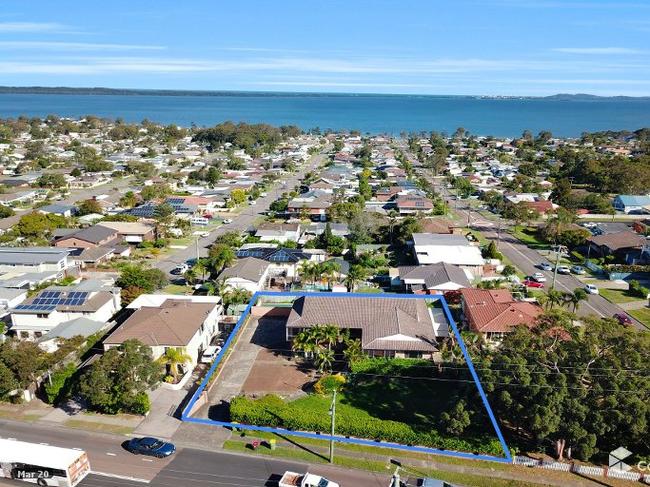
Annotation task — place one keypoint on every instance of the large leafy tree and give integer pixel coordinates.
(583, 388)
(116, 381)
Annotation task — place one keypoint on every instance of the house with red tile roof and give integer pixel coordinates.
(494, 312)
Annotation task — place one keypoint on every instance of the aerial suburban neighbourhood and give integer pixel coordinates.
(319, 268)
(325, 244)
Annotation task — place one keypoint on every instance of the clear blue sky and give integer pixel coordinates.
(480, 47)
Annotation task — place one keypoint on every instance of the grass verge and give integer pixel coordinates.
(643, 315)
(618, 296)
(102, 427)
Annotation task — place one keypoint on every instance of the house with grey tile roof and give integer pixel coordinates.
(249, 273)
(431, 279)
(387, 327)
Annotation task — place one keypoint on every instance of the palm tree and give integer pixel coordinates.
(353, 351)
(190, 276)
(172, 358)
(392, 221)
(577, 296)
(553, 297)
(355, 274)
(324, 360)
(218, 287)
(307, 270)
(200, 269)
(304, 342)
(236, 296)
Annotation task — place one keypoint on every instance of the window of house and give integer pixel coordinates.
(24, 334)
(38, 334)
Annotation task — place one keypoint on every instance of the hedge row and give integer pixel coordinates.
(272, 411)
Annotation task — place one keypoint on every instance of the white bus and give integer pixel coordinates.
(42, 464)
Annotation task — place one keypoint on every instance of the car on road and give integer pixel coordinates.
(532, 283)
(210, 353)
(591, 289)
(562, 269)
(545, 266)
(293, 479)
(152, 447)
(180, 269)
(539, 277)
(578, 269)
(589, 224)
(623, 319)
(227, 221)
(201, 234)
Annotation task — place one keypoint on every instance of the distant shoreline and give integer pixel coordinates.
(63, 90)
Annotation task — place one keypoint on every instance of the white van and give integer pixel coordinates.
(199, 220)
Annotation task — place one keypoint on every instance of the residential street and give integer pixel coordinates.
(188, 466)
(242, 221)
(526, 259)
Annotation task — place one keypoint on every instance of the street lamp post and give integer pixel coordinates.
(333, 423)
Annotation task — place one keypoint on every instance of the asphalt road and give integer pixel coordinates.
(527, 259)
(241, 222)
(187, 467)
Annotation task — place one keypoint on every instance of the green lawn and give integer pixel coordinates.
(176, 289)
(618, 296)
(405, 411)
(529, 237)
(643, 315)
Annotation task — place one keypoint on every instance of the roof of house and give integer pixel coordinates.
(495, 310)
(172, 324)
(32, 255)
(618, 240)
(95, 234)
(81, 326)
(128, 228)
(541, 206)
(57, 208)
(413, 201)
(274, 254)
(65, 300)
(634, 200)
(439, 239)
(249, 268)
(385, 323)
(435, 275)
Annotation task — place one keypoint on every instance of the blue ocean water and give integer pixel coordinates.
(373, 114)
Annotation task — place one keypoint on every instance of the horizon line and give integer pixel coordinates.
(283, 92)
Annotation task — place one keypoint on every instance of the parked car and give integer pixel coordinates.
(578, 269)
(201, 234)
(152, 447)
(180, 269)
(545, 266)
(210, 353)
(562, 269)
(623, 319)
(532, 283)
(589, 224)
(539, 277)
(227, 221)
(591, 289)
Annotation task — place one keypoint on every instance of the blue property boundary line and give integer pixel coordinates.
(342, 439)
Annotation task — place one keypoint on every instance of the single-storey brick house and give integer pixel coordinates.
(387, 327)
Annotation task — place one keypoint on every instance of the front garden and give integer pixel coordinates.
(404, 401)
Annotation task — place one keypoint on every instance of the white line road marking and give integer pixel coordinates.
(111, 454)
(123, 477)
(147, 460)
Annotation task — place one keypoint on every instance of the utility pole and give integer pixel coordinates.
(197, 249)
(499, 233)
(557, 249)
(333, 415)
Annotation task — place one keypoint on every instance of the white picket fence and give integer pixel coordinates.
(582, 469)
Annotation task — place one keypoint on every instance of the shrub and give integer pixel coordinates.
(636, 289)
(141, 404)
(60, 385)
(509, 270)
(329, 383)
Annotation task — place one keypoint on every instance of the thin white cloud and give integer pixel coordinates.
(51, 27)
(75, 46)
(597, 50)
